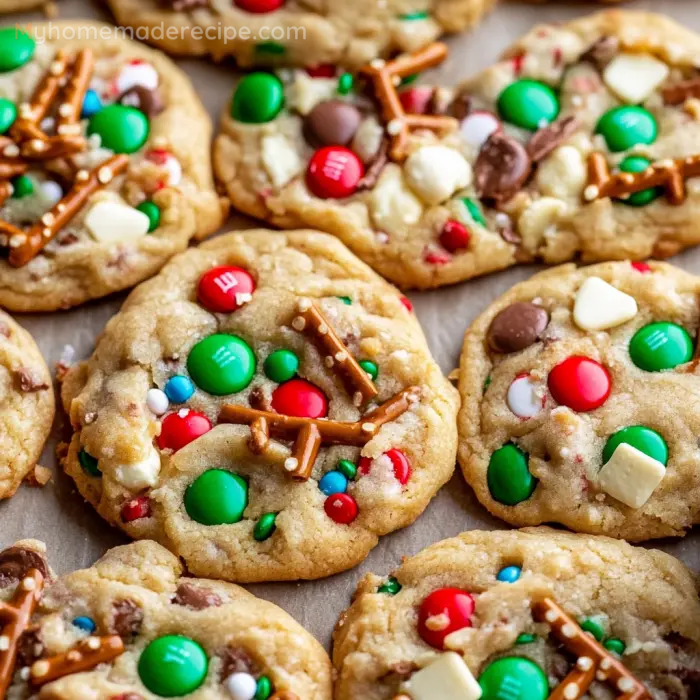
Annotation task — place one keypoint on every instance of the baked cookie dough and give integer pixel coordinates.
(525, 616)
(104, 164)
(133, 626)
(26, 405)
(7, 6)
(584, 141)
(266, 408)
(579, 401)
(309, 33)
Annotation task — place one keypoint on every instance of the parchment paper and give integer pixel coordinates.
(76, 535)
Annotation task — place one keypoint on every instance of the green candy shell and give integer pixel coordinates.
(391, 586)
(616, 646)
(221, 364)
(640, 437)
(509, 479)
(264, 688)
(16, 48)
(22, 186)
(121, 129)
(258, 98)
(347, 469)
(627, 126)
(152, 211)
(513, 678)
(172, 666)
(660, 346)
(528, 104)
(638, 164)
(593, 626)
(8, 114)
(370, 367)
(89, 464)
(265, 527)
(216, 497)
(281, 365)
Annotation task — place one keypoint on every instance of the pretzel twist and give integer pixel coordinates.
(68, 113)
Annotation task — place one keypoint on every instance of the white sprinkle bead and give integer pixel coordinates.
(522, 397)
(157, 401)
(241, 686)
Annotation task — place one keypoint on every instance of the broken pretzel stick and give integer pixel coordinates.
(309, 434)
(14, 620)
(68, 113)
(593, 661)
(678, 93)
(84, 657)
(386, 76)
(26, 246)
(311, 321)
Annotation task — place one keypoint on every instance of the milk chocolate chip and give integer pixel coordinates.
(195, 597)
(127, 619)
(15, 563)
(332, 123)
(147, 101)
(501, 169)
(517, 327)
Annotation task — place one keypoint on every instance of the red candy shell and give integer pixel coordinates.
(580, 383)
(341, 508)
(416, 100)
(181, 428)
(454, 236)
(323, 70)
(300, 398)
(456, 604)
(399, 461)
(136, 508)
(334, 172)
(224, 289)
(259, 6)
(407, 303)
(641, 267)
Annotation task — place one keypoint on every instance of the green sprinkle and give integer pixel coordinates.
(391, 586)
(264, 528)
(474, 211)
(264, 689)
(616, 646)
(370, 367)
(413, 16)
(487, 383)
(593, 626)
(347, 469)
(346, 300)
(271, 48)
(345, 83)
(89, 463)
(525, 638)
(22, 186)
(410, 79)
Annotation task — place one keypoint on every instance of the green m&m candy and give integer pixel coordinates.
(370, 367)
(641, 438)
(594, 628)
(221, 364)
(347, 468)
(89, 463)
(391, 586)
(8, 114)
(216, 497)
(513, 678)
(525, 638)
(508, 477)
(265, 527)
(624, 127)
(659, 346)
(528, 104)
(22, 186)
(16, 48)
(121, 129)
(345, 83)
(638, 164)
(616, 646)
(173, 665)
(281, 365)
(152, 211)
(263, 689)
(258, 98)
(474, 211)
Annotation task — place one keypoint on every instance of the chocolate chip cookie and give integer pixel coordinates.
(583, 141)
(104, 164)
(26, 405)
(523, 615)
(133, 626)
(266, 408)
(579, 393)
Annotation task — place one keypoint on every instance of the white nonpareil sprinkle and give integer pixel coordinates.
(157, 401)
(241, 686)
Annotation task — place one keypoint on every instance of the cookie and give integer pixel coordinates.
(26, 405)
(275, 32)
(578, 401)
(105, 170)
(134, 626)
(7, 6)
(523, 615)
(266, 408)
(582, 142)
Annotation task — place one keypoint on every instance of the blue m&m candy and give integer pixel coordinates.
(85, 623)
(92, 104)
(509, 574)
(332, 483)
(179, 388)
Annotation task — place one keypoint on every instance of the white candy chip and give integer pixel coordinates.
(522, 397)
(51, 192)
(447, 678)
(280, 159)
(111, 222)
(139, 475)
(599, 306)
(157, 401)
(478, 126)
(137, 73)
(634, 76)
(392, 205)
(630, 476)
(241, 686)
(435, 173)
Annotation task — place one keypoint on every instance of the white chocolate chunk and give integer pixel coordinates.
(522, 397)
(599, 306)
(563, 174)
(140, 475)
(634, 76)
(112, 222)
(631, 476)
(392, 205)
(280, 159)
(435, 173)
(447, 678)
(368, 139)
(306, 92)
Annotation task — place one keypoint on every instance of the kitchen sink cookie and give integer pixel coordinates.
(523, 615)
(7, 6)
(584, 141)
(580, 401)
(27, 405)
(266, 408)
(133, 627)
(308, 33)
(104, 165)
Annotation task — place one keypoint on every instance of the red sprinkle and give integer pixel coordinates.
(136, 508)
(454, 236)
(407, 304)
(517, 62)
(399, 461)
(300, 398)
(323, 70)
(334, 172)
(416, 100)
(435, 257)
(580, 383)
(225, 289)
(641, 267)
(341, 508)
(181, 428)
(259, 6)
(454, 603)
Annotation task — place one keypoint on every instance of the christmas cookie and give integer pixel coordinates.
(26, 404)
(104, 165)
(578, 401)
(523, 615)
(584, 141)
(133, 627)
(266, 407)
(296, 32)
(7, 6)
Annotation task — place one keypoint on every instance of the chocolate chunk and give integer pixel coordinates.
(127, 618)
(147, 101)
(461, 106)
(30, 380)
(332, 123)
(601, 51)
(29, 647)
(195, 597)
(678, 93)
(501, 169)
(546, 139)
(236, 660)
(375, 167)
(517, 327)
(15, 563)
(258, 400)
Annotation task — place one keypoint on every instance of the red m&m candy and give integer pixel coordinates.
(341, 508)
(454, 236)
(399, 463)
(259, 6)
(136, 508)
(444, 611)
(322, 70)
(416, 100)
(225, 289)
(299, 398)
(580, 383)
(334, 172)
(181, 428)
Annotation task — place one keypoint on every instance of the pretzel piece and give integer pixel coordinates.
(309, 434)
(678, 93)
(85, 656)
(24, 247)
(313, 324)
(68, 113)
(593, 661)
(385, 77)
